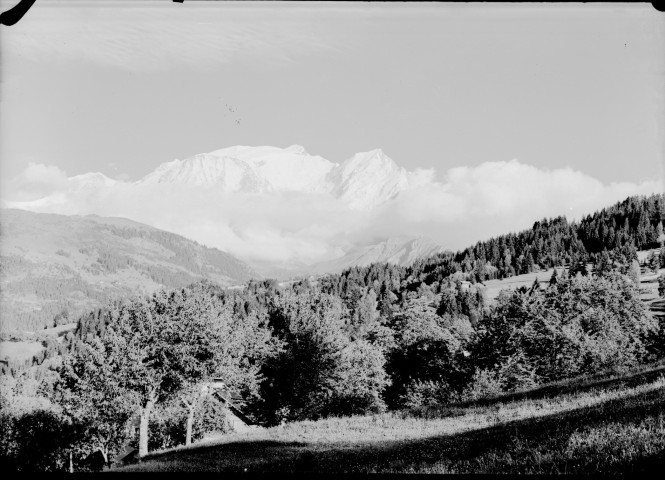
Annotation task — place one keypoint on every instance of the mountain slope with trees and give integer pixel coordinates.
(621, 230)
(55, 267)
(374, 339)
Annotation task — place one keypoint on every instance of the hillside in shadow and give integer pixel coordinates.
(619, 435)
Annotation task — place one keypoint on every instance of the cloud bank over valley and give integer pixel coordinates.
(269, 204)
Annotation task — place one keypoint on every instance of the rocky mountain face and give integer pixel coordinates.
(57, 265)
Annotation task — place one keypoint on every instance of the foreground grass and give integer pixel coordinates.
(604, 425)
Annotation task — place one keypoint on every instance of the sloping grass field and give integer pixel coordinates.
(612, 423)
(19, 351)
(493, 287)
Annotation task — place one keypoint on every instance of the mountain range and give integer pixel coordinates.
(362, 182)
(280, 209)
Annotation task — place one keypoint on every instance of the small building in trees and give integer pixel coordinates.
(127, 455)
(238, 421)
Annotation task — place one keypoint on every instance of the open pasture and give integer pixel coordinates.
(493, 287)
(19, 351)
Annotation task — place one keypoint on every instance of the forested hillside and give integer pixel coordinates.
(375, 339)
(628, 226)
(55, 267)
(636, 220)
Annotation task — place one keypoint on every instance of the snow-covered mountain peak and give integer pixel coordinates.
(297, 149)
(370, 178)
(372, 162)
(248, 170)
(206, 169)
(363, 181)
(92, 180)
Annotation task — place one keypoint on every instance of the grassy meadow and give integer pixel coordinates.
(612, 423)
(19, 351)
(493, 287)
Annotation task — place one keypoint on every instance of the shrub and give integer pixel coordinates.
(210, 418)
(516, 374)
(36, 441)
(427, 393)
(485, 383)
(167, 427)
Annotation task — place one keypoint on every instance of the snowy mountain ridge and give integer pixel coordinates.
(282, 208)
(363, 181)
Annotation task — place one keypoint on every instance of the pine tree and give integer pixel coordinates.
(535, 286)
(653, 261)
(634, 272)
(603, 264)
(385, 302)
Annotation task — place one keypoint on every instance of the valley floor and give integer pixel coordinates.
(600, 424)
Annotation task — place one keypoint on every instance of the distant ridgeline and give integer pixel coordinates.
(53, 268)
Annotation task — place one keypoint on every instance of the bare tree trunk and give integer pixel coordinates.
(191, 409)
(143, 428)
(105, 454)
(190, 422)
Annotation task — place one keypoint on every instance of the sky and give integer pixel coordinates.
(473, 93)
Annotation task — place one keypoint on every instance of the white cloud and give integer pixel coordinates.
(474, 203)
(36, 181)
(469, 204)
